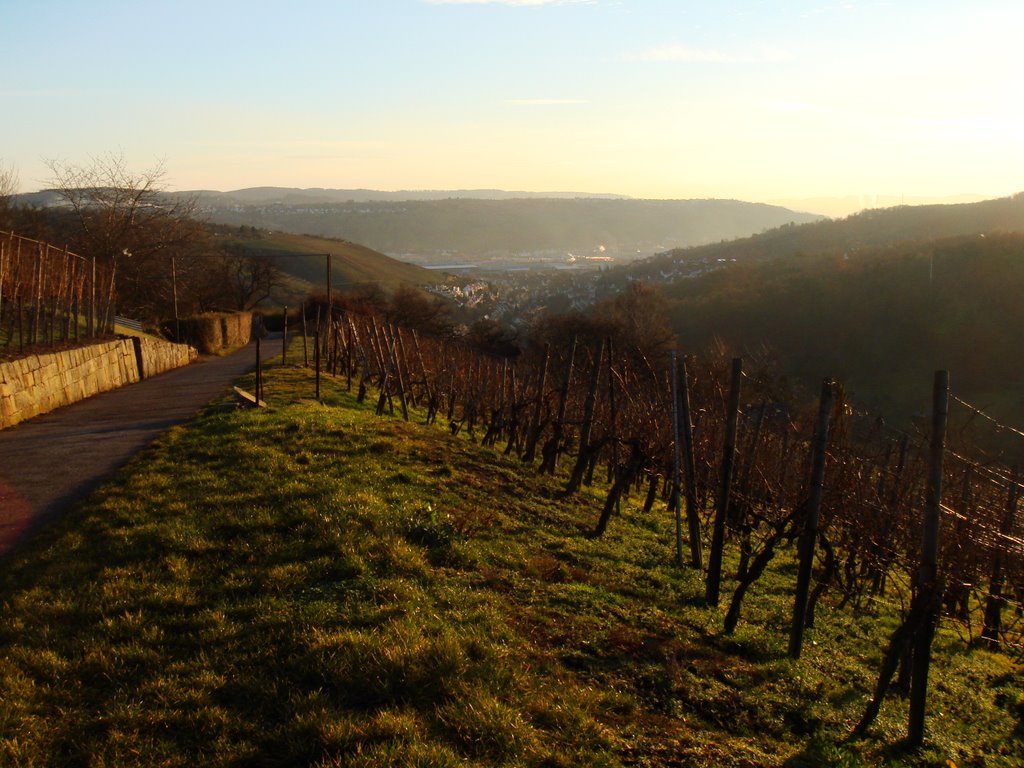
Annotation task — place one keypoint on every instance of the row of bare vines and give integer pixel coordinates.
(744, 466)
(50, 296)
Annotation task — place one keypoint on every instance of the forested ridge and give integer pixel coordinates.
(880, 320)
(864, 231)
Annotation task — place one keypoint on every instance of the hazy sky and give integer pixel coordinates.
(650, 98)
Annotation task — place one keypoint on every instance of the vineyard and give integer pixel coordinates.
(918, 519)
(50, 296)
(921, 521)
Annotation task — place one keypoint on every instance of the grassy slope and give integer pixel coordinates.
(317, 585)
(303, 257)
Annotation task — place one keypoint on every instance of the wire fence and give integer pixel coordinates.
(50, 296)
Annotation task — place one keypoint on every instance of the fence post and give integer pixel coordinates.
(927, 574)
(554, 445)
(350, 340)
(284, 339)
(92, 301)
(810, 533)
(259, 372)
(613, 413)
(329, 305)
(305, 346)
(397, 361)
(692, 513)
(3, 275)
(316, 360)
(714, 583)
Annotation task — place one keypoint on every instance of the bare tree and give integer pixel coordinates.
(417, 309)
(251, 279)
(8, 189)
(639, 317)
(125, 219)
(119, 209)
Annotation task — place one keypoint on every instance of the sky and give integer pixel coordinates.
(750, 100)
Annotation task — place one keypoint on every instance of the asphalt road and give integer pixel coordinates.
(49, 463)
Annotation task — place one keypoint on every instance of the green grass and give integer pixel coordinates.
(314, 585)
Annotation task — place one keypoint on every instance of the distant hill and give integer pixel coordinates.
(44, 198)
(880, 300)
(845, 237)
(473, 226)
(304, 257)
(839, 207)
(294, 196)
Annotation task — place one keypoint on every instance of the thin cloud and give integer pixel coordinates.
(792, 106)
(543, 102)
(511, 2)
(706, 56)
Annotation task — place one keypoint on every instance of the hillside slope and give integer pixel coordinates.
(304, 257)
(881, 320)
(522, 225)
(866, 230)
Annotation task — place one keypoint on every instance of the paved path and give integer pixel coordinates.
(52, 461)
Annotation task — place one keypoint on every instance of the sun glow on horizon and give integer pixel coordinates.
(647, 99)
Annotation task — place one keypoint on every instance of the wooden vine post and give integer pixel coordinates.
(398, 359)
(809, 537)
(689, 467)
(585, 451)
(742, 516)
(995, 600)
(928, 586)
(284, 338)
(3, 275)
(613, 413)
(428, 391)
(259, 372)
(316, 360)
(350, 340)
(676, 461)
(714, 582)
(535, 426)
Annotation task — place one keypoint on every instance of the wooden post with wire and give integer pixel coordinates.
(689, 467)
(316, 361)
(928, 586)
(284, 338)
(714, 582)
(676, 461)
(809, 537)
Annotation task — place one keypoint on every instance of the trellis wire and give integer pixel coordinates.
(49, 296)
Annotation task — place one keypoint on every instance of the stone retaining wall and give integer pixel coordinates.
(214, 332)
(159, 356)
(37, 384)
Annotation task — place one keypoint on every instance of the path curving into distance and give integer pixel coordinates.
(52, 461)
